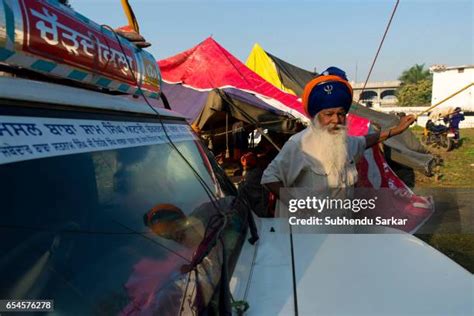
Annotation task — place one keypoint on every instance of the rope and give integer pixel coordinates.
(207, 189)
(232, 64)
(378, 50)
(447, 98)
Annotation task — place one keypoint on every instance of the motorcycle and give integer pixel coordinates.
(438, 135)
(453, 134)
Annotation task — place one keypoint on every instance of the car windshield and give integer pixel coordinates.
(107, 231)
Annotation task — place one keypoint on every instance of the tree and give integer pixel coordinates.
(415, 87)
(415, 74)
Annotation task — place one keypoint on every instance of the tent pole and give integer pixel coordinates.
(227, 152)
(251, 119)
(445, 99)
(268, 138)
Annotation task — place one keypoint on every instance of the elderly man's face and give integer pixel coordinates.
(331, 118)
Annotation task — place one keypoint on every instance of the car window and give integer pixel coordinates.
(107, 231)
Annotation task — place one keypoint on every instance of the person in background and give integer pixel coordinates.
(454, 120)
(250, 185)
(240, 142)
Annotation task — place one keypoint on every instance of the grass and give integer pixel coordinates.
(458, 167)
(451, 226)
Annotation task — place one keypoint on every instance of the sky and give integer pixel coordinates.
(309, 34)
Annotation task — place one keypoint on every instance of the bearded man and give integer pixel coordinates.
(323, 155)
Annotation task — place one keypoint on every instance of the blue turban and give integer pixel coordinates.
(329, 90)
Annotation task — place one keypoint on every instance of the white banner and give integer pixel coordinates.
(25, 138)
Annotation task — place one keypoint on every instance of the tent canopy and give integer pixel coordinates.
(206, 82)
(278, 72)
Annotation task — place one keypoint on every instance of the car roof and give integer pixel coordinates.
(21, 89)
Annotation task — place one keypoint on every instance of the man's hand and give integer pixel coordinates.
(377, 137)
(404, 123)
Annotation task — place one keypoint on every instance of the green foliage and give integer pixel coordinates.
(415, 74)
(415, 88)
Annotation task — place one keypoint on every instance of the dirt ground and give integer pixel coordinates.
(451, 228)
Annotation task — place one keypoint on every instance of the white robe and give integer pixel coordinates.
(294, 168)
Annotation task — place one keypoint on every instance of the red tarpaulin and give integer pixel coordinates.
(208, 66)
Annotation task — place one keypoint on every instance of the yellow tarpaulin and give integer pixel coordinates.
(264, 66)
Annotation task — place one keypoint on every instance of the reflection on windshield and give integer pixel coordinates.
(106, 232)
(168, 221)
(155, 285)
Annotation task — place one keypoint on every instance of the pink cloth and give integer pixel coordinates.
(148, 278)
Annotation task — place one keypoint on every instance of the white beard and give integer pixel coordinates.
(327, 149)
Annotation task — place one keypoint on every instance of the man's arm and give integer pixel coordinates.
(377, 137)
(280, 171)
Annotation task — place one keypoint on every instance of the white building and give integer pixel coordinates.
(448, 80)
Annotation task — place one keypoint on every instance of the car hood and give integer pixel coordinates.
(336, 274)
